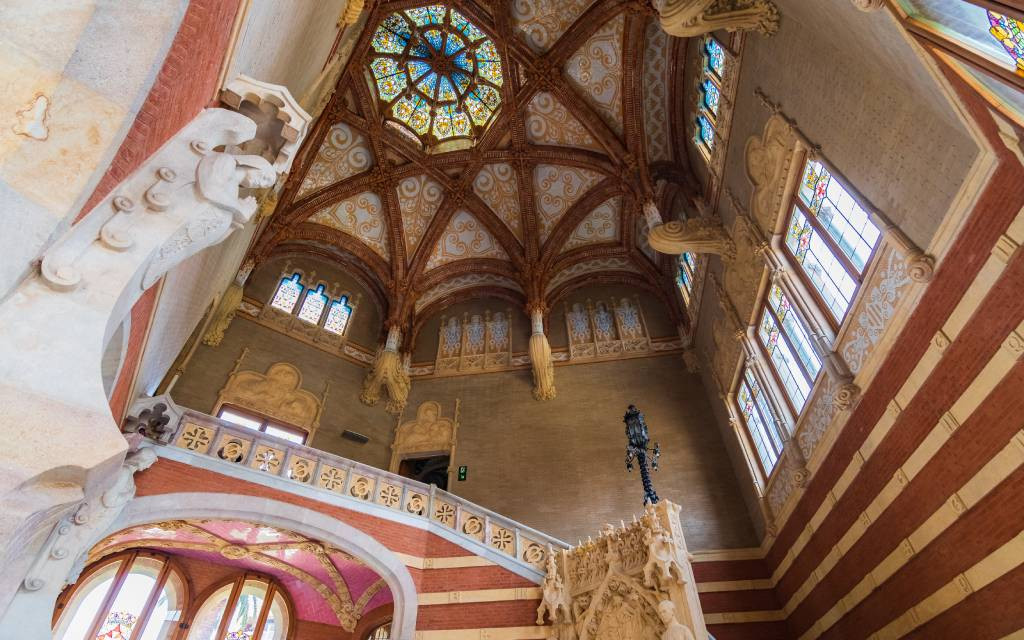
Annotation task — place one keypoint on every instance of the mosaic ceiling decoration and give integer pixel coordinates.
(326, 585)
(541, 127)
(436, 73)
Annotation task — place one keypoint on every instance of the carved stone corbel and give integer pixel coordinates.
(846, 392)
(696, 235)
(868, 5)
(227, 306)
(920, 267)
(693, 18)
(388, 371)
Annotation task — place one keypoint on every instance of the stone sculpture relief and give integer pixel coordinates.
(278, 394)
(634, 582)
(693, 18)
(768, 161)
(428, 433)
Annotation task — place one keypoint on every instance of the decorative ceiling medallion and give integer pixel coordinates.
(542, 22)
(596, 71)
(600, 225)
(496, 185)
(342, 154)
(360, 216)
(437, 74)
(549, 122)
(557, 189)
(464, 238)
(419, 198)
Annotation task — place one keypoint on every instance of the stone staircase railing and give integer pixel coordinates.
(231, 445)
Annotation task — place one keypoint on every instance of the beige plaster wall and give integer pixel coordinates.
(90, 64)
(556, 466)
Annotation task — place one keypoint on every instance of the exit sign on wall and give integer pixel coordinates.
(463, 470)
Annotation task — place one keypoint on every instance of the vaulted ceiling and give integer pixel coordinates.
(545, 199)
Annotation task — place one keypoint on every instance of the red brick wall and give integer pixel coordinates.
(141, 314)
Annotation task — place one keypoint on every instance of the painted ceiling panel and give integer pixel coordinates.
(549, 122)
(343, 154)
(542, 22)
(557, 188)
(655, 93)
(361, 216)
(419, 198)
(496, 185)
(595, 70)
(465, 237)
(600, 225)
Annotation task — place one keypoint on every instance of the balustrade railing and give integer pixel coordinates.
(234, 445)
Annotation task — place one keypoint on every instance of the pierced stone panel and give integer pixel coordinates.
(301, 469)
(195, 437)
(596, 72)
(362, 487)
(361, 216)
(331, 478)
(267, 459)
(557, 188)
(496, 185)
(342, 154)
(549, 122)
(600, 225)
(465, 237)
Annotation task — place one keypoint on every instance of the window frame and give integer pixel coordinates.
(794, 308)
(795, 202)
(265, 421)
(707, 72)
(125, 559)
(319, 288)
(237, 583)
(770, 421)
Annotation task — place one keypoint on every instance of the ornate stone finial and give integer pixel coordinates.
(692, 18)
(388, 372)
(697, 235)
(540, 357)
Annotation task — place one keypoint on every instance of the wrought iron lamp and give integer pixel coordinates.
(636, 432)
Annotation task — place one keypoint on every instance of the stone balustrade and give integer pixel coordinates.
(224, 443)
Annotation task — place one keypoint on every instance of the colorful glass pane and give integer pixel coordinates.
(1010, 34)
(313, 306)
(757, 417)
(711, 95)
(690, 260)
(789, 346)
(431, 102)
(338, 315)
(716, 56)
(705, 132)
(287, 294)
(825, 272)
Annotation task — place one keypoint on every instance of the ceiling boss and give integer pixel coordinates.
(437, 75)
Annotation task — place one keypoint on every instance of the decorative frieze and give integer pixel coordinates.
(606, 329)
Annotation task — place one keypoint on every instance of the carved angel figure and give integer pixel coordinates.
(674, 630)
(556, 601)
(692, 18)
(662, 561)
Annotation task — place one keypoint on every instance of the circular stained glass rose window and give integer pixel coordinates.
(436, 73)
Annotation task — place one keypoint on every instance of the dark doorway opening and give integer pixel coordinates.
(432, 470)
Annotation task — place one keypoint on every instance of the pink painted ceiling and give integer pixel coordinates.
(302, 565)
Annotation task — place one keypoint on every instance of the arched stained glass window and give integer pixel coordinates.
(135, 595)
(383, 632)
(436, 72)
(715, 56)
(235, 610)
(313, 306)
(338, 315)
(759, 421)
(710, 96)
(287, 294)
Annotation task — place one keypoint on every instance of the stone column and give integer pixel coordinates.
(540, 356)
(390, 372)
(63, 448)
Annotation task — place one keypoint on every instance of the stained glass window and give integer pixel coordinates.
(711, 96)
(436, 73)
(254, 599)
(757, 417)
(109, 603)
(687, 274)
(831, 237)
(338, 315)
(382, 632)
(1010, 34)
(287, 294)
(788, 343)
(313, 306)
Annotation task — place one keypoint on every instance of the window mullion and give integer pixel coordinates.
(147, 609)
(261, 619)
(104, 610)
(229, 610)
